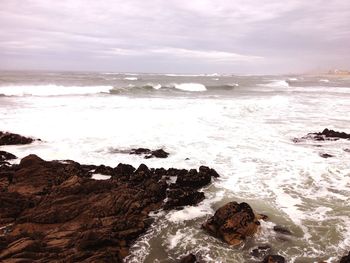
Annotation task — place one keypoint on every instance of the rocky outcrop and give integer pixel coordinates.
(232, 223)
(54, 211)
(160, 153)
(325, 135)
(5, 156)
(190, 258)
(7, 138)
(345, 259)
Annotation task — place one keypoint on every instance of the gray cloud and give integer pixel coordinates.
(243, 36)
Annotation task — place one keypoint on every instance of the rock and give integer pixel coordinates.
(325, 135)
(196, 179)
(160, 153)
(139, 151)
(232, 223)
(54, 212)
(261, 251)
(182, 197)
(326, 155)
(4, 156)
(346, 150)
(282, 230)
(345, 259)
(190, 258)
(7, 138)
(274, 259)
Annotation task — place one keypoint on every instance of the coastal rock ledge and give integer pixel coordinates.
(52, 211)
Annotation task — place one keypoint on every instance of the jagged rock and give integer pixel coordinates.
(232, 223)
(4, 156)
(160, 153)
(190, 258)
(196, 179)
(7, 138)
(182, 197)
(54, 211)
(345, 259)
(282, 230)
(274, 259)
(139, 151)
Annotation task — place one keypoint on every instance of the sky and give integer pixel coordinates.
(175, 36)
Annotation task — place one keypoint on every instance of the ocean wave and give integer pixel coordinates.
(276, 84)
(190, 87)
(52, 90)
(131, 78)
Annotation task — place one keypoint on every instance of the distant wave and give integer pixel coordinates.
(276, 84)
(52, 90)
(131, 78)
(190, 87)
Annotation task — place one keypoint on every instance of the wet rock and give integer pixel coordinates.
(159, 153)
(232, 223)
(57, 213)
(345, 259)
(182, 197)
(282, 230)
(261, 251)
(347, 150)
(106, 170)
(274, 259)
(7, 138)
(326, 155)
(4, 156)
(190, 258)
(325, 135)
(196, 179)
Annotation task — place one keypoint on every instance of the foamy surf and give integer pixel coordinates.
(190, 87)
(52, 90)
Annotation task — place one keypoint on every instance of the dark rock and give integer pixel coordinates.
(345, 259)
(139, 151)
(196, 179)
(347, 150)
(54, 212)
(190, 258)
(232, 223)
(106, 170)
(4, 156)
(261, 251)
(326, 155)
(325, 135)
(7, 138)
(282, 230)
(182, 197)
(274, 259)
(160, 153)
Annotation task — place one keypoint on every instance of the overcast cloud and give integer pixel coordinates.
(180, 36)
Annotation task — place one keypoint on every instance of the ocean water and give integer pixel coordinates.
(242, 126)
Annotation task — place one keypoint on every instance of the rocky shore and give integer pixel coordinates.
(54, 211)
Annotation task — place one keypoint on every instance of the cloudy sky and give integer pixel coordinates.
(179, 36)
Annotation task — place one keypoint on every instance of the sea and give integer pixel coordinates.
(243, 126)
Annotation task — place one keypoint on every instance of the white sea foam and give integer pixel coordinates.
(52, 90)
(324, 80)
(100, 177)
(190, 87)
(131, 78)
(276, 84)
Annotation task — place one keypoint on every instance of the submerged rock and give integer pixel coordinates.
(274, 259)
(190, 258)
(7, 138)
(261, 251)
(282, 230)
(345, 259)
(160, 153)
(326, 155)
(56, 212)
(232, 223)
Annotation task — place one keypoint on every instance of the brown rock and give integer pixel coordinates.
(190, 258)
(345, 259)
(274, 259)
(232, 223)
(7, 138)
(4, 156)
